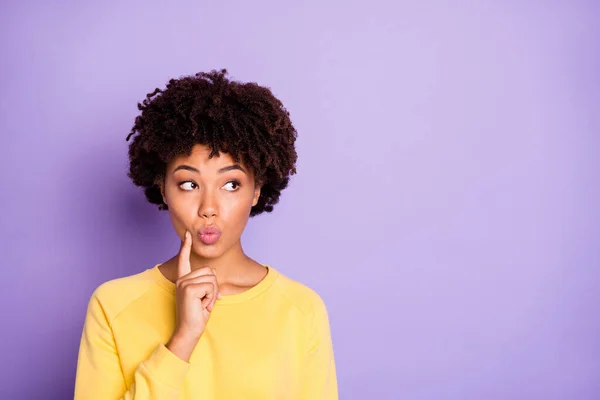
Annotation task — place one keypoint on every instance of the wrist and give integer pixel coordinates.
(182, 344)
(186, 336)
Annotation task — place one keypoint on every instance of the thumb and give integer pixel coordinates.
(183, 264)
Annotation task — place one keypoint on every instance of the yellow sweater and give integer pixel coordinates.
(269, 342)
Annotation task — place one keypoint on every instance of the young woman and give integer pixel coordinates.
(211, 322)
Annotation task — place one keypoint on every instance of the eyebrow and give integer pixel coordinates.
(224, 169)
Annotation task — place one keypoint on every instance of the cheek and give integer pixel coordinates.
(236, 211)
(182, 212)
(177, 220)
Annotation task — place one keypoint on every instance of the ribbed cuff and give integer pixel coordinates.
(166, 367)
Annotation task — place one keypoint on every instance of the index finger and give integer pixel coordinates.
(183, 263)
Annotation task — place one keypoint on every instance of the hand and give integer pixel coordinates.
(196, 294)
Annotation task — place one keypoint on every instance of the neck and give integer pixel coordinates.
(231, 263)
(234, 268)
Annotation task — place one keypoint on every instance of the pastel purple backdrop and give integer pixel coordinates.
(446, 202)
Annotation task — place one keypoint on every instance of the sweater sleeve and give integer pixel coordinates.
(320, 382)
(99, 374)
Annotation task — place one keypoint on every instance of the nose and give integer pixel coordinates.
(208, 205)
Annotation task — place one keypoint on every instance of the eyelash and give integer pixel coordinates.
(234, 181)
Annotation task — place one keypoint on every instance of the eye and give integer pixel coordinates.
(231, 186)
(188, 185)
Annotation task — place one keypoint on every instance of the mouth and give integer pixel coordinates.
(209, 235)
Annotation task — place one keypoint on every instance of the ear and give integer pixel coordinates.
(256, 195)
(160, 182)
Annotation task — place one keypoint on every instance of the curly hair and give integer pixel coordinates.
(244, 120)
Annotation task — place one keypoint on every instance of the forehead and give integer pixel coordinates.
(198, 157)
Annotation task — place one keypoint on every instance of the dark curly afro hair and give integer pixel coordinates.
(244, 120)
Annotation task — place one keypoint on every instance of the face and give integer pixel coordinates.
(211, 198)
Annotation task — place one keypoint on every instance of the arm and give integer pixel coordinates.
(161, 376)
(99, 374)
(320, 381)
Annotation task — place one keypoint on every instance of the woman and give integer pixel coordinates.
(209, 323)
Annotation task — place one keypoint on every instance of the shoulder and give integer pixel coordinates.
(311, 306)
(115, 295)
(301, 296)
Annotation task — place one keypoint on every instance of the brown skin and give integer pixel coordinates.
(213, 192)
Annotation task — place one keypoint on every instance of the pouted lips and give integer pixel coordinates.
(209, 235)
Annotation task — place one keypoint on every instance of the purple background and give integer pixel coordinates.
(446, 206)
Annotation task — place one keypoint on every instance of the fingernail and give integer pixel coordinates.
(187, 235)
(219, 296)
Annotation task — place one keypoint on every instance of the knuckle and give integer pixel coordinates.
(188, 289)
(205, 270)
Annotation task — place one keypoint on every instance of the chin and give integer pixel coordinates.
(210, 252)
